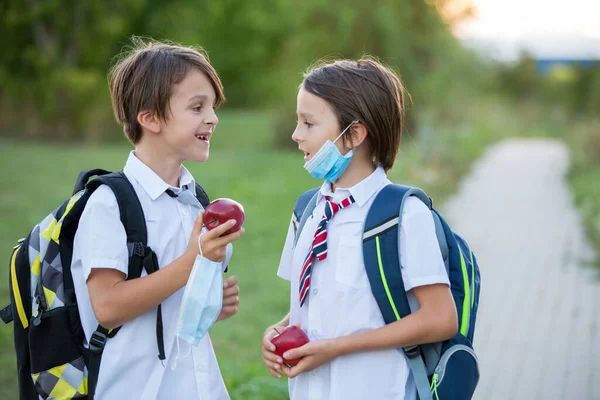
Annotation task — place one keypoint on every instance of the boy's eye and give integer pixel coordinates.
(197, 108)
(308, 124)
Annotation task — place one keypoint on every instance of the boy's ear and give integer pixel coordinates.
(358, 134)
(148, 121)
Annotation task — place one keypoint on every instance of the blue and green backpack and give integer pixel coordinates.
(442, 371)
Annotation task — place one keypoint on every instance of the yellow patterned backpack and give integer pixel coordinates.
(54, 359)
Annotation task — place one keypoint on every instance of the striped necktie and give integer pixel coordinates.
(319, 244)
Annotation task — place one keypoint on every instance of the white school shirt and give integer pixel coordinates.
(341, 303)
(130, 368)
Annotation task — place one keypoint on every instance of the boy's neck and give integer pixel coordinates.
(357, 170)
(167, 168)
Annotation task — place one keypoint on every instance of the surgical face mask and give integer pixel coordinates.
(328, 163)
(201, 303)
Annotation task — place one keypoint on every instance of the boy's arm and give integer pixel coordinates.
(116, 300)
(436, 320)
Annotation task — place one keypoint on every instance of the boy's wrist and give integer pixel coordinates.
(349, 344)
(341, 346)
(188, 259)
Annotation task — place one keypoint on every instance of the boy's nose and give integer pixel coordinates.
(212, 118)
(296, 136)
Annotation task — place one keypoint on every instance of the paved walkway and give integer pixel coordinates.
(538, 328)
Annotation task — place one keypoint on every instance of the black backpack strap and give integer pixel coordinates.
(202, 196)
(130, 208)
(84, 177)
(141, 258)
(6, 314)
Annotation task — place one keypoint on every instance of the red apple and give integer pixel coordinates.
(290, 338)
(220, 211)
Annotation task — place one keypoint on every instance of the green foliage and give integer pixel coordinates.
(56, 62)
(53, 73)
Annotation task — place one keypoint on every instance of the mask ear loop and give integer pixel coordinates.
(356, 121)
(199, 246)
(174, 365)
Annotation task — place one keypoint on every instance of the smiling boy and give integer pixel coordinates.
(164, 96)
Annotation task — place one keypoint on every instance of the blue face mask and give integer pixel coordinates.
(328, 163)
(201, 303)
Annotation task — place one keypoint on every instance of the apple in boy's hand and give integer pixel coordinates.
(222, 210)
(290, 338)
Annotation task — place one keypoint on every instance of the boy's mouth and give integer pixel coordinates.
(306, 156)
(203, 137)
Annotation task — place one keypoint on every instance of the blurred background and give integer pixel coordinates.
(478, 71)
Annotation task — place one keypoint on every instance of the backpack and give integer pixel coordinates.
(442, 371)
(52, 361)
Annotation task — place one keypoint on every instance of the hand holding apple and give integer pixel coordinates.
(312, 355)
(222, 210)
(272, 361)
(212, 244)
(290, 338)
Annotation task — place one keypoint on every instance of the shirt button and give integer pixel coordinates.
(315, 291)
(183, 212)
(314, 373)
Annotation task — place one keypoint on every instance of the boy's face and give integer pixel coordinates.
(317, 123)
(191, 120)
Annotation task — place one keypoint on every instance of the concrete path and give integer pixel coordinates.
(537, 334)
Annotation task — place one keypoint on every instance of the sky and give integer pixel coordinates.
(531, 18)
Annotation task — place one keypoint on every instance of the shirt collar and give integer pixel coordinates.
(151, 182)
(361, 192)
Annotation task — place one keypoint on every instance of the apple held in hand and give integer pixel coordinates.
(222, 210)
(290, 338)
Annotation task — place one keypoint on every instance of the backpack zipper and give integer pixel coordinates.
(434, 385)
(438, 375)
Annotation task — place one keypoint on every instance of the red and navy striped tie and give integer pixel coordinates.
(319, 245)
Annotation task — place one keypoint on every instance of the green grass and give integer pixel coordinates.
(36, 178)
(584, 176)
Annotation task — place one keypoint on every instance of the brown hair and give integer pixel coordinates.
(144, 76)
(368, 91)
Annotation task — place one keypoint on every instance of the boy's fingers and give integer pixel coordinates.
(267, 343)
(221, 229)
(274, 373)
(290, 372)
(272, 357)
(230, 301)
(230, 309)
(224, 240)
(231, 281)
(231, 291)
(298, 352)
(199, 221)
